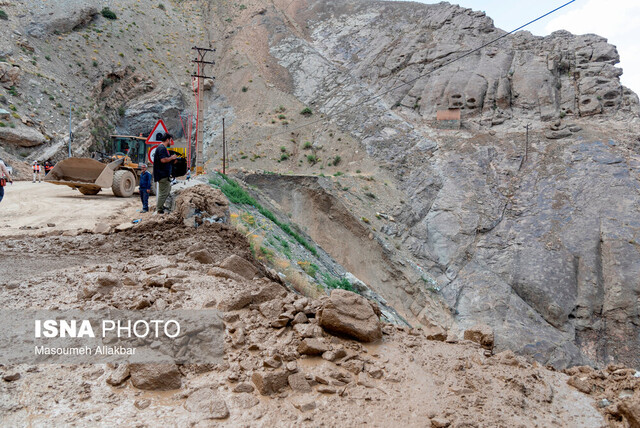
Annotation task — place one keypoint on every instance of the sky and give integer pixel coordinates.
(616, 20)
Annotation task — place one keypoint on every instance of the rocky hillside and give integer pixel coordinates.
(525, 218)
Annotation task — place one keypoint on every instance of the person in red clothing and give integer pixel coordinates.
(4, 178)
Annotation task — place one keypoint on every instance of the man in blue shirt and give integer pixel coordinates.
(145, 187)
(162, 170)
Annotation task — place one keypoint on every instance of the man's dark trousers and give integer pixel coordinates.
(144, 197)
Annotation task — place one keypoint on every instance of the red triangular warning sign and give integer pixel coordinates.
(160, 128)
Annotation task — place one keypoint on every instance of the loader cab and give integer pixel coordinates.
(134, 147)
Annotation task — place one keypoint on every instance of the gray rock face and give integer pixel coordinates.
(73, 14)
(21, 136)
(142, 113)
(408, 48)
(545, 252)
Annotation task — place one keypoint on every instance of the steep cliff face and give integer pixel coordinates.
(543, 248)
(387, 45)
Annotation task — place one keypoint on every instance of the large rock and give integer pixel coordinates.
(630, 409)
(155, 376)
(73, 15)
(207, 404)
(10, 74)
(268, 383)
(240, 266)
(481, 334)
(22, 136)
(346, 313)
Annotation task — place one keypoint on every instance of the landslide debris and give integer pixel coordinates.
(282, 366)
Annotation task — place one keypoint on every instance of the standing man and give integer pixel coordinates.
(145, 187)
(4, 177)
(162, 170)
(36, 171)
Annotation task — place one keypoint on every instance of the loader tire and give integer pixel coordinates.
(124, 183)
(88, 191)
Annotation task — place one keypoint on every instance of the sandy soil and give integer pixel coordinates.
(33, 206)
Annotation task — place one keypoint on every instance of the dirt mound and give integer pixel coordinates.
(281, 367)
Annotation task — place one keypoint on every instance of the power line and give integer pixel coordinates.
(373, 97)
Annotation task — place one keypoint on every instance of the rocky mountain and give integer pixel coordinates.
(525, 218)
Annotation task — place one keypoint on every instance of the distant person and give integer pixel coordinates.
(145, 187)
(36, 171)
(4, 178)
(47, 167)
(162, 162)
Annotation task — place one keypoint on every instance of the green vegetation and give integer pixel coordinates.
(47, 57)
(161, 6)
(108, 13)
(336, 160)
(309, 268)
(306, 145)
(312, 159)
(237, 195)
(282, 116)
(2, 125)
(370, 195)
(342, 283)
(121, 110)
(245, 89)
(284, 156)
(306, 112)
(3, 15)
(12, 91)
(13, 108)
(94, 63)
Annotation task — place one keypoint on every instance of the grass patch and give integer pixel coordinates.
(309, 268)
(338, 283)
(306, 112)
(237, 195)
(3, 15)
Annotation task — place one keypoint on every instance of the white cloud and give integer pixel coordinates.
(618, 21)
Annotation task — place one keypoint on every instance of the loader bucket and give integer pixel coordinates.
(83, 173)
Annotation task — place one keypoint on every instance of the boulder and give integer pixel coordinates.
(119, 375)
(481, 334)
(240, 266)
(62, 19)
(155, 376)
(299, 383)
(312, 347)
(203, 256)
(346, 313)
(268, 383)
(630, 410)
(22, 136)
(207, 404)
(10, 74)
(435, 333)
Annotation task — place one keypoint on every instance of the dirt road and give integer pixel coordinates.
(33, 206)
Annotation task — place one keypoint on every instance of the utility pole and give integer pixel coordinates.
(224, 150)
(526, 143)
(70, 134)
(200, 52)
